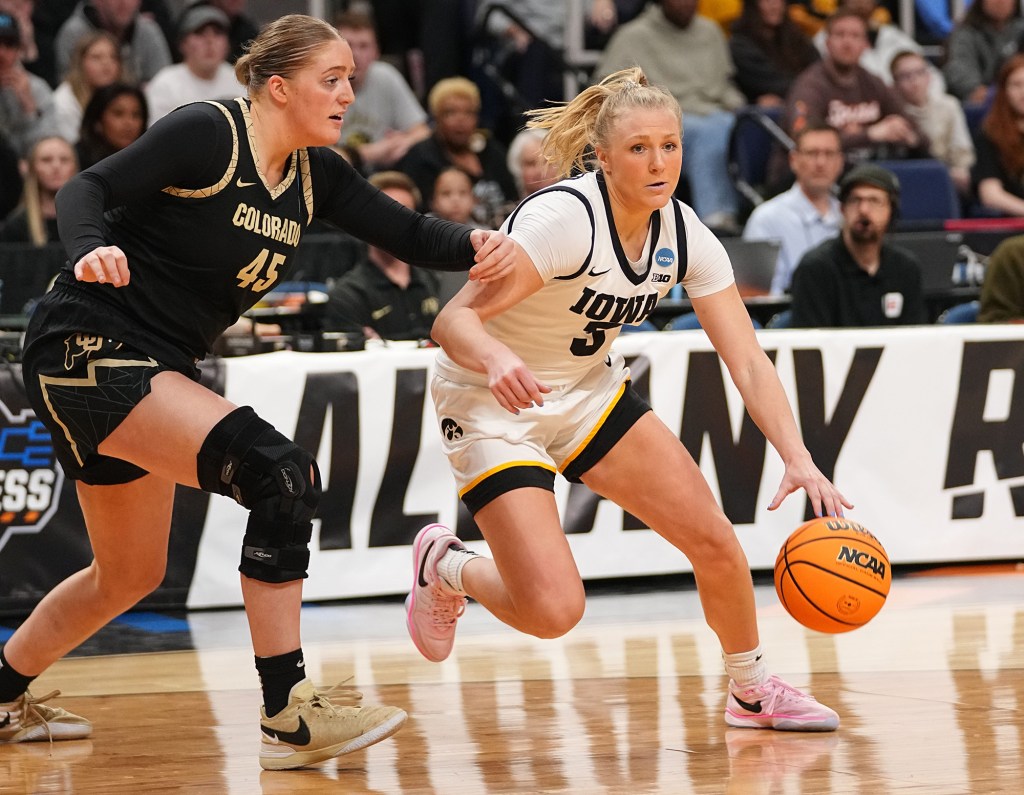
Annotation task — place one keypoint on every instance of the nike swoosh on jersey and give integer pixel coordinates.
(599, 273)
(242, 184)
(298, 737)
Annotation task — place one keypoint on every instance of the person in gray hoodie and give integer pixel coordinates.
(144, 50)
(989, 33)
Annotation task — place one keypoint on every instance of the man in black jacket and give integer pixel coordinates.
(857, 279)
(384, 297)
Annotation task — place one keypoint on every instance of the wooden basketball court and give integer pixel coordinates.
(931, 695)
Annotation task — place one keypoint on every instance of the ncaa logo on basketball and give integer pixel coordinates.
(30, 477)
(664, 257)
(863, 559)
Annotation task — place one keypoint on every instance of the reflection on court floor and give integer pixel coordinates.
(931, 695)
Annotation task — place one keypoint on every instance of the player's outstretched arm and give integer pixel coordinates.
(725, 319)
(495, 255)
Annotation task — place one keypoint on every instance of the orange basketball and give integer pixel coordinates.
(832, 575)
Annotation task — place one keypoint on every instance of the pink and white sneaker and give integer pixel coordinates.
(432, 608)
(776, 705)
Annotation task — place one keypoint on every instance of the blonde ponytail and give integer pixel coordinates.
(575, 127)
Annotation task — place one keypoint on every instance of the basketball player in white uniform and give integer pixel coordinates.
(526, 386)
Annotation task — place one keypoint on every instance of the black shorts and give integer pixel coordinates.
(627, 411)
(83, 383)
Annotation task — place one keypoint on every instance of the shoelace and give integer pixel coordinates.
(321, 701)
(783, 690)
(30, 708)
(446, 609)
(342, 694)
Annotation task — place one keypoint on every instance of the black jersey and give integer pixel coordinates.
(206, 237)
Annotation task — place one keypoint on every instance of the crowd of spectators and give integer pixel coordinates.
(442, 85)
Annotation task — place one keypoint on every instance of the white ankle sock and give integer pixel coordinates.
(449, 567)
(746, 667)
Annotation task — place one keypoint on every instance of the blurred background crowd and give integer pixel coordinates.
(780, 100)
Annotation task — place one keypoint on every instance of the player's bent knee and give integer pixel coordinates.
(126, 588)
(709, 542)
(553, 619)
(246, 458)
(551, 625)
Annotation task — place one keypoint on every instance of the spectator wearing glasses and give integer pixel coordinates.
(857, 279)
(843, 94)
(809, 212)
(939, 115)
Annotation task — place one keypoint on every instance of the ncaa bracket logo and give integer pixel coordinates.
(664, 257)
(30, 477)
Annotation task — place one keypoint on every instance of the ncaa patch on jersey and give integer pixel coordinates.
(30, 477)
(665, 257)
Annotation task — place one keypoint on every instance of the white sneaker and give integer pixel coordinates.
(777, 705)
(432, 608)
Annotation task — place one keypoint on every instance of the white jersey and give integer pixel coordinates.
(590, 287)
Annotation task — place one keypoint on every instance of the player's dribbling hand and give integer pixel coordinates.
(495, 255)
(106, 265)
(513, 385)
(826, 499)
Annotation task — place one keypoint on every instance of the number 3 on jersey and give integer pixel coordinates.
(250, 275)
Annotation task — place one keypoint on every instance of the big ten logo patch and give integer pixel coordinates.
(30, 477)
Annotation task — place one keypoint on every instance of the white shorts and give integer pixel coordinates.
(492, 451)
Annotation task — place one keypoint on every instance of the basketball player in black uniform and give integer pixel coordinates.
(203, 215)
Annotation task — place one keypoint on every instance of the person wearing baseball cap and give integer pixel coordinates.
(857, 279)
(204, 72)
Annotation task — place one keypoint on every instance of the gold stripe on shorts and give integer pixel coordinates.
(596, 428)
(88, 380)
(481, 478)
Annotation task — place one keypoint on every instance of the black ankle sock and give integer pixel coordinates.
(12, 684)
(277, 676)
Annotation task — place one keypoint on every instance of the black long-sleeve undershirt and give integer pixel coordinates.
(163, 157)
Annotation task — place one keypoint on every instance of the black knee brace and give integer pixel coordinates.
(245, 458)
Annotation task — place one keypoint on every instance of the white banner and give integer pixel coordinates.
(923, 429)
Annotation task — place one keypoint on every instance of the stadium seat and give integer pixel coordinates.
(927, 193)
(974, 114)
(961, 313)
